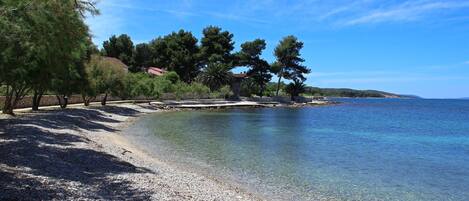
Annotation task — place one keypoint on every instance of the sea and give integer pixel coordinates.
(360, 149)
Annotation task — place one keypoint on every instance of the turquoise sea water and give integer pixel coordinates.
(363, 149)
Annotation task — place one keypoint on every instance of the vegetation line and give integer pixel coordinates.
(46, 48)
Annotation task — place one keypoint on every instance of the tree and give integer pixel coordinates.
(86, 6)
(295, 89)
(159, 52)
(103, 75)
(260, 69)
(177, 52)
(216, 46)
(121, 48)
(289, 61)
(17, 52)
(182, 50)
(215, 75)
(143, 55)
(38, 40)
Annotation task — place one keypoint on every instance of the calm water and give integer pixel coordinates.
(364, 149)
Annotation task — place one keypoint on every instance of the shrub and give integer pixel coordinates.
(182, 89)
(141, 84)
(172, 76)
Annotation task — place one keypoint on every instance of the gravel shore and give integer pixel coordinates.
(80, 154)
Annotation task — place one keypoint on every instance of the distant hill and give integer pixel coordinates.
(345, 92)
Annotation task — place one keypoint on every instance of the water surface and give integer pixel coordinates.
(364, 149)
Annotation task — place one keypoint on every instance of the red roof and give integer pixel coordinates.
(155, 71)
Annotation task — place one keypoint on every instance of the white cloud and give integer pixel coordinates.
(407, 11)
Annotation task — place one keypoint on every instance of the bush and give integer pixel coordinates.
(271, 89)
(172, 76)
(141, 84)
(295, 89)
(223, 92)
(182, 89)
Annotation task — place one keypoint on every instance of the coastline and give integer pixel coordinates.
(80, 153)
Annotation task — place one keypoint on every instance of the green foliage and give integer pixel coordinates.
(182, 51)
(176, 52)
(143, 55)
(142, 84)
(122, 48)
(295, 89)
(40, 41)
(172, 76)
(271, 89)
(215, 75)
(216, 46)
(249, 87)
(223, 92)
(182, 89)
(332, 92)
(3, 89)
(288, 64)
(103, 75)
(260, 70)
(86, 6)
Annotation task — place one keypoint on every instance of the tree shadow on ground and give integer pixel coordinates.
(42, 154)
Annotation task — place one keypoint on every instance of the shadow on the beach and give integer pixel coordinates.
(24, 144)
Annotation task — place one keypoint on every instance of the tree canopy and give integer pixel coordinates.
(121, 47)
(40, 41)
(216, 46)
(181, 53)
(104, 75)
(259, 69)
(289, 61)
(215, 75)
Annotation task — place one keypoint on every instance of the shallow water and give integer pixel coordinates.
(363, 149)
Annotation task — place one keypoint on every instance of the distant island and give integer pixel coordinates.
(353, 93)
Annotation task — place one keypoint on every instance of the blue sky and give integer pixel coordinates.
(416, 47)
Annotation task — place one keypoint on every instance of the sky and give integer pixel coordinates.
(418, 47)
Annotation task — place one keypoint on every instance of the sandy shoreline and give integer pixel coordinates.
(79, 153)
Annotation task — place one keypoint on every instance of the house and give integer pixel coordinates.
(155, 71)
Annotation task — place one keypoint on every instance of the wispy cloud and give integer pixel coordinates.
(182, 13)
(407, 11)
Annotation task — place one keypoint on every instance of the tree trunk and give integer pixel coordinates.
(279, 79)
(86, 100)
(103, 101)
(278, 85)
(7, 106)
(13, 95)
(262, 91)
(63, 101)
(37, 99)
